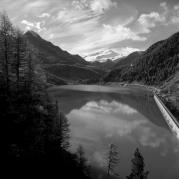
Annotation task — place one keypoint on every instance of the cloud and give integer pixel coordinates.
(43, 15)
(87, 26)
(33, 25)
(175, 17)
(27, 23)
(108, 108)
(112, 54)
(119, 33)
(168, 16)
(101, 5)
(102, 55)
(105, 36)
(151, 139)
(74, 16)
(124, 51)
(148, 21)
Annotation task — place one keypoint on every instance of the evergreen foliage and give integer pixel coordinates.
(138, 165)
(153, 66)
(35, 135)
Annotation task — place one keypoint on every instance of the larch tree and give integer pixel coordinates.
(138, 167)
(112, 160)
(20, 59)
(6, 34)
(82, 161)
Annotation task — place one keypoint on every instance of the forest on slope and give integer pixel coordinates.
(152, 67)
(35, 136)
(59, 66)
(157, 66)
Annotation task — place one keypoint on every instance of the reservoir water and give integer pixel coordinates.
(127, 117)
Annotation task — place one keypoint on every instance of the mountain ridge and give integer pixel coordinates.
(153, 66)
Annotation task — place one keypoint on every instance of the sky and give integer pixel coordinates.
(97, 29)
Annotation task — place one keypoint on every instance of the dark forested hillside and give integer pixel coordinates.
(72, 72)
(35, 135)
(127, 61)
(61, 67)
(153, 66)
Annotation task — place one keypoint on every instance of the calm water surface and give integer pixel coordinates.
(129, 118)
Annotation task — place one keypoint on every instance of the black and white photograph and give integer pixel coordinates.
(89, 89)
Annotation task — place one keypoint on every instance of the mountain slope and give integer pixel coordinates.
(60, 66)
(152, 67)
(129, 60)
(49, 53)
(72, 73)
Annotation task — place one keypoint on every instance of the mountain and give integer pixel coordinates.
(60, 66)
(153, 66)
(72, 73)
(102, 55)
(105, 66)
(50, 53)
(129, 60)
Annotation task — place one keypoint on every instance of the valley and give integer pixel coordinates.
(158, 66)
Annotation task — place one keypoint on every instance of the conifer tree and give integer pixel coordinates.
(138, 165)
(6, 34)
(113, 160)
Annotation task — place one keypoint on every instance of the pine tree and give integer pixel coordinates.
(19, 64)
(6, 34)
(138, 167)
(82, 161)
(113, 160)
(61, 130)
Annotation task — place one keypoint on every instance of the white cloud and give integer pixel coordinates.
(43, 15)
(175, 17)
(33, 25)
(74, 16)
(85, 26)
(105, 36)
(168, 16)
(101, 5)
(112, 54)
(119, 33)
(148, 21)
(27, 23)
(151, 139)
(108, 108)
(126, 51)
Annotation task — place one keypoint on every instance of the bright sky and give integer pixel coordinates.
(101, 28)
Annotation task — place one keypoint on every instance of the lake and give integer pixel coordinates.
(127, 117)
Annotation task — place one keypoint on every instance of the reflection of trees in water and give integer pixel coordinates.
(61, 129)
(112, 160)
(137, 171)
(138, 164)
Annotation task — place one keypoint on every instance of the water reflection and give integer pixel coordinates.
(128, 120)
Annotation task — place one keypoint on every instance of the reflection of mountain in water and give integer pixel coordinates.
(145, 105)
(141, 101)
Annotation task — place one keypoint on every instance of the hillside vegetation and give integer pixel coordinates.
(49, 53)
(152, 67)
(61, 67)
(72, 72)
(35, 140)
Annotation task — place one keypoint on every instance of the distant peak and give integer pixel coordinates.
(31, 32)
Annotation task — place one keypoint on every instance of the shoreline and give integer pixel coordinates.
(171, 105)
(135, 86)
